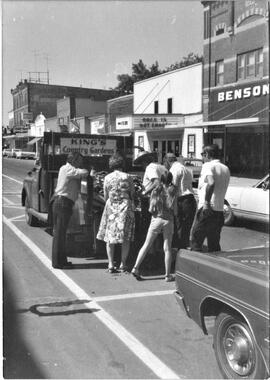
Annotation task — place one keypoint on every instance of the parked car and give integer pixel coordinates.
(195, 166)
(5, 152)
(250, 202)
(231, 290)
(23, 155)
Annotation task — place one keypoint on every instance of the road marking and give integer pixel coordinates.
(17, 217)
(142, 352)
(133, 295)
(8, 201)
(12, 179)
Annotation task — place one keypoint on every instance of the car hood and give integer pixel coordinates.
(257, 257)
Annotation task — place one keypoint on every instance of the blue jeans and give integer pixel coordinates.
(62, 211)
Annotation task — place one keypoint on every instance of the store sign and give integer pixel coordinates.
(88, 147)
(123, 123)
(243, 93)
(27, 116)
(155, 122)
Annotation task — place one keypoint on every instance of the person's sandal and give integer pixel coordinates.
(136, 274)
(169, 278)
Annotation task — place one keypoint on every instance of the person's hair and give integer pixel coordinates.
(212, 150)
(164, 191)
(169, 158)
(116, 161)
(73, 157)
(156, 199)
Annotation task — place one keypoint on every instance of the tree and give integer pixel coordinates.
(191, 59)
(140, 71)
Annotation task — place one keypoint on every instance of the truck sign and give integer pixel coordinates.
(87, 146)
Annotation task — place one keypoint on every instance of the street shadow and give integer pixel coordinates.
(45, 309)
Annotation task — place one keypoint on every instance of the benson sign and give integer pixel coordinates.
(242, 93)
(88, 147)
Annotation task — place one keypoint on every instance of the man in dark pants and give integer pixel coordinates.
(213, 184)
(186, 203)
(65, 195)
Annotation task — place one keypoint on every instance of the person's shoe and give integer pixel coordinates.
(136, 274)
(112, 270)
(123, 268)
(169, 278)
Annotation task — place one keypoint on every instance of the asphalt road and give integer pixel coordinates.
(86, 323)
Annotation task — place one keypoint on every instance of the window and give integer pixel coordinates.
(250, 64)
(219, 72)
(156, 106)
(169, 105)
(219, 31)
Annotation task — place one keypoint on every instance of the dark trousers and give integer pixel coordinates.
(186, 210)
(208, 224)
(62, 211)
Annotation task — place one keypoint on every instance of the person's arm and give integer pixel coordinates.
(209, 191)
(154, 183)
(76, 173)
(105, 189)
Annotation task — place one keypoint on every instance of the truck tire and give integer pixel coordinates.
(31, 220)
(236, 350)
(228, 214)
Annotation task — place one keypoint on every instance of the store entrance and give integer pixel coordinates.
(167, 146)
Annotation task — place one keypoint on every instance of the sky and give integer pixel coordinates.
(88, 43)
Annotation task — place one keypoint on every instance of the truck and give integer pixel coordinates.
(40, 182)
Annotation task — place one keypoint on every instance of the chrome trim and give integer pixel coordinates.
(225, 295)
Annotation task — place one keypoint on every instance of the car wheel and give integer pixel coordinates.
(228, 214)
(31, 220)
(235, 348)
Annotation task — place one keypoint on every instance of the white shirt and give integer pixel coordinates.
(68, 182)
(182, 178)
(221, 176)
(152, 171)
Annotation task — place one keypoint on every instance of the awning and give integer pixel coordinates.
(33, 141)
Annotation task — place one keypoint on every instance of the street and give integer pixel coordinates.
(86, 323)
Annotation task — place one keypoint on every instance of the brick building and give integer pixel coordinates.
(236, 83)
(29, 99)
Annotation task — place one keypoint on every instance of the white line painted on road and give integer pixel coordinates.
(8, 201)
(142, 352)
(15, 218)
(133, 295)
(12, 179)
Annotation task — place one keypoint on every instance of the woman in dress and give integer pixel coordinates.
(117, 223)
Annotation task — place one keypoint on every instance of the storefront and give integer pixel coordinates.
(168, 134)
(241, 128)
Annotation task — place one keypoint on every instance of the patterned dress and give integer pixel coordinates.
(118, 219)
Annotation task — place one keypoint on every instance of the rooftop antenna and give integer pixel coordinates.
(46, 57)
(36, 54)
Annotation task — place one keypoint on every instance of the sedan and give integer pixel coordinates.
(249, 202)
(23, 154)
(227, 295)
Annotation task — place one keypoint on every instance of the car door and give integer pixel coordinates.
(255, 202)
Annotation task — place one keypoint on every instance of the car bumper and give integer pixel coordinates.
(181, 301)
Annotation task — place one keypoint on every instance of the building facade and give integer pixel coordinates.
(236, 83)
(29, 99)
(168, 112)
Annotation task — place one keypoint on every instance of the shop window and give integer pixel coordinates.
(169, 105)
(156, 106)
(250, 64)
(219, 72)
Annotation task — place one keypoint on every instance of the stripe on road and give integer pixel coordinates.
(142, 352)
(12, 179)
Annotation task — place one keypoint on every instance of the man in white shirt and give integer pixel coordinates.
(186, 203)
(213, 184)
(65, 195)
